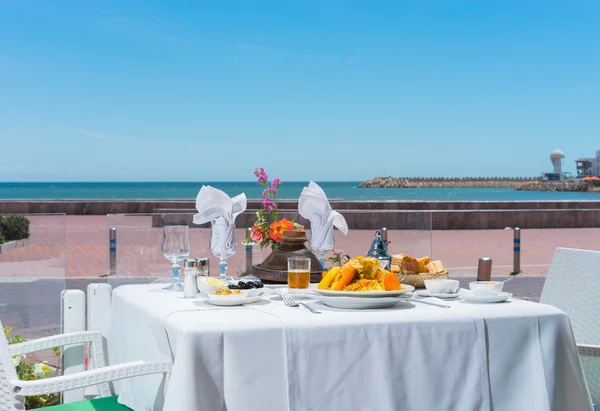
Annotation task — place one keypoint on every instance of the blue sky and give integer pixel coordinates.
(95, 90)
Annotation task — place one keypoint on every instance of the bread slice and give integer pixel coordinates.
(422, 262)
(435, 267)
(410, 263)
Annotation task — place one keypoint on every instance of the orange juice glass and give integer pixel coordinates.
(298, 272)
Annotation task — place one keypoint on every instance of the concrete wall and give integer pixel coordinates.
(103, 207)
(359, 215)
(426, 220)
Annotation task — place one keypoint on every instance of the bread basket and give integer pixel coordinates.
(418, 280)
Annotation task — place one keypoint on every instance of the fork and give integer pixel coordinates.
(290, 302)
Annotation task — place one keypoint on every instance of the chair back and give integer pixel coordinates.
(8, 401)
(573, 286)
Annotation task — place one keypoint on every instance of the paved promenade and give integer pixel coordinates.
(76, 246)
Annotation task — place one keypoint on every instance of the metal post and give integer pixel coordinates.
(517, 251)
(248, 252)
(484, 269)
(384, 234)
(112, 251)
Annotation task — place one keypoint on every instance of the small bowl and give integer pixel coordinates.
(486, 287)
(442, 286)
(205, 287)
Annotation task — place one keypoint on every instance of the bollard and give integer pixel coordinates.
(112, 251)
(384, 237)
(517, 251)
(484, 270)
(248, 251)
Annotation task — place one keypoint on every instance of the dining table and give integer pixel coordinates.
(514, 355)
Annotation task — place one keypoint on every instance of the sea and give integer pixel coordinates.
(340, 190)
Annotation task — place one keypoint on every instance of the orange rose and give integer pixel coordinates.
(278, 227)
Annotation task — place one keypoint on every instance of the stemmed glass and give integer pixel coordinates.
(322, 244)
(222, 243)
(175, 248)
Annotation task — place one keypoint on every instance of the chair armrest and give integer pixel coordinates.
(589, 350)
(89, 378)
(46, 343)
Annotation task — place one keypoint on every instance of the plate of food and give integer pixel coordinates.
(360, 303)
(228, 297)
(361, 277)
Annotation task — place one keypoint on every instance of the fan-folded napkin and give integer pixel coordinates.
(314, 206)
(213, 204)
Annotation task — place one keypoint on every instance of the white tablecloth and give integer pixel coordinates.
(510, 356)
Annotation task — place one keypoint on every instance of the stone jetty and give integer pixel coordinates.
(524, 184)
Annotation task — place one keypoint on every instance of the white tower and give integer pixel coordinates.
(557, 157)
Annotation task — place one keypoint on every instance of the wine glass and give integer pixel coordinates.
(175, 248)
(322, 243)
(222, 243)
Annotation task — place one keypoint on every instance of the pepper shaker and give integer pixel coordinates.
(203, 264)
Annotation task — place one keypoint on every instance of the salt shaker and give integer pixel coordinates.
(190, 270)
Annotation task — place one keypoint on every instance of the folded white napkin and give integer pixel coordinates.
(314, 206)
(213, 204)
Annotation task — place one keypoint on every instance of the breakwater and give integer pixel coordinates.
(469, 182)
(521, 184)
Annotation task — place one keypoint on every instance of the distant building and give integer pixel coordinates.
(557, 157)
(588, 167)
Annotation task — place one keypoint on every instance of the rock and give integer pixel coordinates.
(523, 184)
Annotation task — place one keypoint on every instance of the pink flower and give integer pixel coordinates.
(256, 235)
(269, 205)
(276, 183)
(267, 191)
(261, 176)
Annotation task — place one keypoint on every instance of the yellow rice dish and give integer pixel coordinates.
(360, 274)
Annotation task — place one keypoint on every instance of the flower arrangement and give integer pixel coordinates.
(33, 370)
(267, 229)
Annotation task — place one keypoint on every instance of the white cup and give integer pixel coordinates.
(441, 286)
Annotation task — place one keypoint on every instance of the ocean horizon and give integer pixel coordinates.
(335, 190)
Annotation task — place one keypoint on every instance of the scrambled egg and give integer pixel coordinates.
(226, 291)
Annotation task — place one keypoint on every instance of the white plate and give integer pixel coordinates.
(470, 296)
(230, 300)
(427, 293)
(364, 294)
(360, 303)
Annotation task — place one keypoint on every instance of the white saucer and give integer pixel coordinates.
(446, 296)
(471, 297)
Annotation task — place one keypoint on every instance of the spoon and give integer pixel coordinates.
(509, 278)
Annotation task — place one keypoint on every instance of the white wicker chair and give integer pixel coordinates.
(573, 285)
(13, 391)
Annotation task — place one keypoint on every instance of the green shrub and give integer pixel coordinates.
(14, 227)
(31, 369)
(2, 239)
